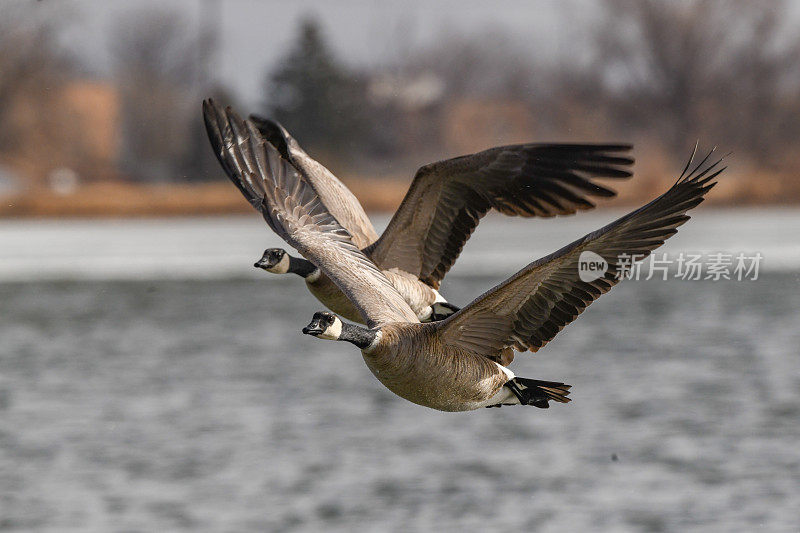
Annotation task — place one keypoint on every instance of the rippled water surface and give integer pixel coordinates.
(197, 405)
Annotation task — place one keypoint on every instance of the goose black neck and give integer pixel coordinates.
(301, 267)
(361, 337)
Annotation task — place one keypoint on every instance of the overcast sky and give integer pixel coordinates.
(254, 33)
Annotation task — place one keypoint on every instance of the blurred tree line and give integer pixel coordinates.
(662, 74)
(318, 99)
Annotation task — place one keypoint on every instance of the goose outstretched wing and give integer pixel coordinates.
(531, 307)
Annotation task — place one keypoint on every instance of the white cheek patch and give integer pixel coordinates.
(439, 298)
(282, 267)
(333, 331)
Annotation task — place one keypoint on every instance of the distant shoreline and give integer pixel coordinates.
(123, 199)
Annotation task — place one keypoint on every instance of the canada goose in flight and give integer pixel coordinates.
(438, 214)
(455, 364)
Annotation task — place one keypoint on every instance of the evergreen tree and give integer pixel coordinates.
(314, 96)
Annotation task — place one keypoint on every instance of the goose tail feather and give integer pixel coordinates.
(537, 392)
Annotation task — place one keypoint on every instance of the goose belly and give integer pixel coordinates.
(431, 380)
(331, 297)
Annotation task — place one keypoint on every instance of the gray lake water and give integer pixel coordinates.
(136, 396)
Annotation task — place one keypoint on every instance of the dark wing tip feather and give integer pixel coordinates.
(221, 135)
(570, 170)
(273, 133)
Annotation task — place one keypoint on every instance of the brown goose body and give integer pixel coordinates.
(412, 361)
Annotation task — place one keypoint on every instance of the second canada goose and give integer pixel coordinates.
(439, 212)
(459, 363)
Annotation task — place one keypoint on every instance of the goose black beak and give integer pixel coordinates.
(265, 262)
(313, 328)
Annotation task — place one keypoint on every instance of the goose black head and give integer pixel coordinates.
(274, 260)
(324, 325)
